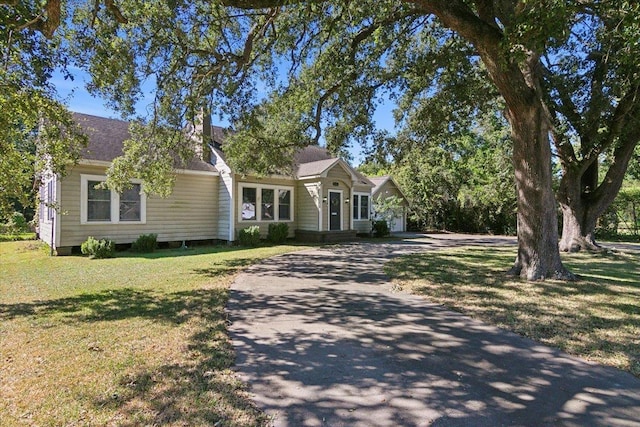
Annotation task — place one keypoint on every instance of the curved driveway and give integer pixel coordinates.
(322, 339)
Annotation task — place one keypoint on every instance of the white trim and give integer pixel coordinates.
(360, 194)
(258, 207)
(320, 206)
(102, 163)
(232, 211)
(351, 200)
(329, 209)
(196, 172)
(56, 215)
(89, 162)
(115, 202)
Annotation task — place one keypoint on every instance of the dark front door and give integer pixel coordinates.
(334, 210)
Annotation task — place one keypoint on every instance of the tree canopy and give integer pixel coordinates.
(465, 182)
(293, 72)
(37, 133)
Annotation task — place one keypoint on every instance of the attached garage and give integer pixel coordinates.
(386, 187)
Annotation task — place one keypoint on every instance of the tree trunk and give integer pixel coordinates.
(519, 84)
(578, 229)
(538, 255)
(579, 213)
(583, 200)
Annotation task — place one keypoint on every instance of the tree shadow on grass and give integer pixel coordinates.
(226, 267)
(195, 387)
(118, 304)
(574, 316)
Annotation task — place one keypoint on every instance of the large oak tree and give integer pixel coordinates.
(29, 54)
(324, 64)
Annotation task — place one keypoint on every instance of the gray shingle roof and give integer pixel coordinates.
(314, 168)
(378, 181)
(106, 138)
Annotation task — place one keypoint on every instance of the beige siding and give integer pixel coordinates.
(45, 224)
(362, 226)
(389, 189)
(267, 182)
(337, 172)
(225, 201)
(361, 189)
(190, 213)
(307, 206)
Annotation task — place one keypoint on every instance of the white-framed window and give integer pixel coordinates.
(361, 206)
(260, 202)
(103, 206)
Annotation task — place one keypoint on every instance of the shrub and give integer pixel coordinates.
(249, 236)
(278, 233)
(16, 224)
(102, 248)
(145, 243)
(380, 228)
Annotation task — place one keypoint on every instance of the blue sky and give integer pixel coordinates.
(79, 100)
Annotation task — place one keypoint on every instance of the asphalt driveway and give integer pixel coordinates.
(323, 339)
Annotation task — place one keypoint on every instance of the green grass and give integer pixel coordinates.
(134, 340)
(597, 317)
(15, 237)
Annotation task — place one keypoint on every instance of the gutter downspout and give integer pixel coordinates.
(232, 210)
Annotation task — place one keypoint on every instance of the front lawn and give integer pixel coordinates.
(596, 318)
(134, 340)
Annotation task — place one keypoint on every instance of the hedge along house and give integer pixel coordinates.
(325, 200)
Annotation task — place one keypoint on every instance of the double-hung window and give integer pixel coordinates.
(101, 205)
(360, 206)
(265, 203)
(98, 202)
(284, 205)
(249, 206)
(268, 206)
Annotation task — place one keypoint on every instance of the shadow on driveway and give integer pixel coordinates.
(322, 340)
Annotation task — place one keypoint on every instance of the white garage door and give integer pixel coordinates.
(398, 224)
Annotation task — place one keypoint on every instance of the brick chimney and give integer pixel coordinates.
(202, 135)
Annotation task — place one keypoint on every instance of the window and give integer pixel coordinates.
(101, 205)
(361, 206)
(130, 204)
(98, 202)
(248, 203)
(356, 207)
(364, 207)
(265, 203)
(284, 205)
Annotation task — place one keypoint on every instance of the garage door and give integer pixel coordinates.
(398, 224)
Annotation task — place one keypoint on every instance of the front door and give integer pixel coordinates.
(334, 210)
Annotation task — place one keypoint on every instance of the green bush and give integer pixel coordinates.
(380, 228)
(145, 243)
(15, 225)
(278, 233)
(249, 236)
(102, 248)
